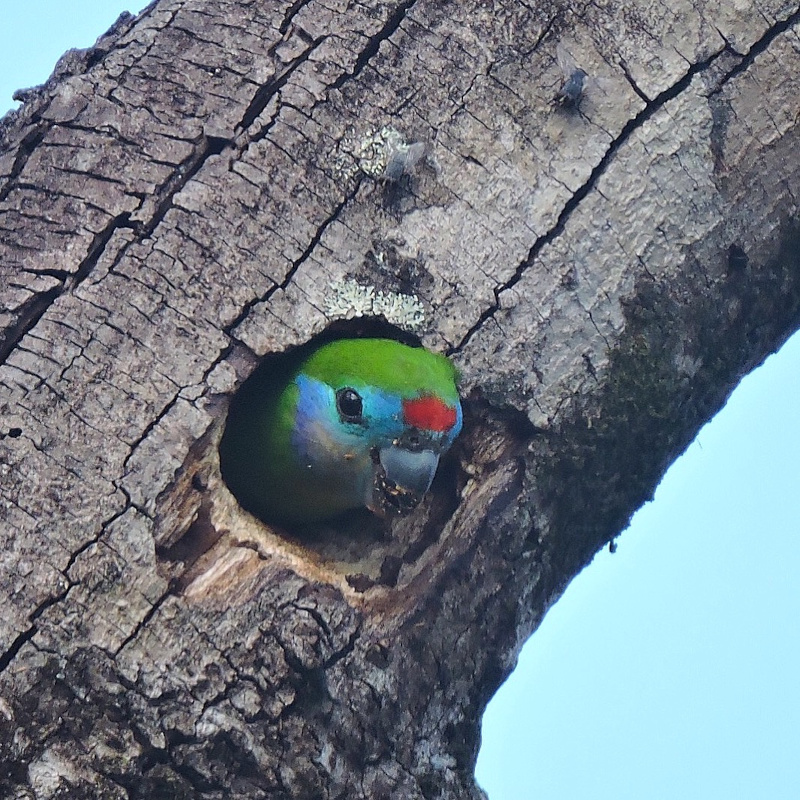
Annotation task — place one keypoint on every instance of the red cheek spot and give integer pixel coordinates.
(429, 413)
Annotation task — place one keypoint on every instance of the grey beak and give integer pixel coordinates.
(411, 471)
(401, 479)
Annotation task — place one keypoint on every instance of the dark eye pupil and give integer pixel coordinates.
(348, 401)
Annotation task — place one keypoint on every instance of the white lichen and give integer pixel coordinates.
(349, 299)
(383, 155)
(396, 307)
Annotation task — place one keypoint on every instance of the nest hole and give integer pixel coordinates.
(367, 549)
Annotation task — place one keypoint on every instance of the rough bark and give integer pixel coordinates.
(199, 190)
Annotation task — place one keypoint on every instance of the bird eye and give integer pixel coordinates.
(349, 404)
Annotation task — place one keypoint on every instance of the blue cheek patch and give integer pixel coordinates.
(315, 420)
(384, 414)
(456, 429)
(318, 426)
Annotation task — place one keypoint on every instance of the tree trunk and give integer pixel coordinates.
(208, 185)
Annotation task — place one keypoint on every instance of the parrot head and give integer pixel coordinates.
(359, 422)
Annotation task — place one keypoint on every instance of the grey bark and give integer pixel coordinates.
(201, 189)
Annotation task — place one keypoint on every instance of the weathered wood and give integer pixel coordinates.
(199, 190)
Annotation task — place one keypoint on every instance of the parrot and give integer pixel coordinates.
(357, 423)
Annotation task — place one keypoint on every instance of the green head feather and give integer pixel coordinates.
(394, 367)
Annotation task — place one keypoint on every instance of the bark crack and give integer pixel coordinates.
(27, 146)
(248, 307)
(290, 14)
(8, 656)
(374, 42)
(779, 27)
(149, 429)
(140, 626)
(267, 91)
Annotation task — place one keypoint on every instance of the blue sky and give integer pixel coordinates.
(670, 669)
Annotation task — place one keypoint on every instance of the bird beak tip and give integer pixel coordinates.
(402, 477)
